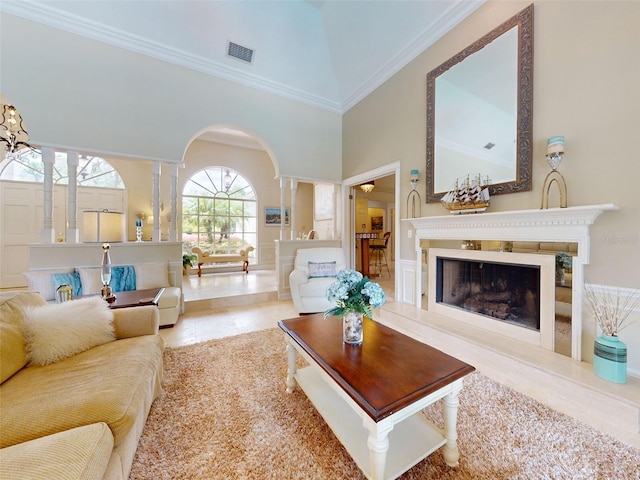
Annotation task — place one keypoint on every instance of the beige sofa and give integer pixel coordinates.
(147, 275)
(80, 417)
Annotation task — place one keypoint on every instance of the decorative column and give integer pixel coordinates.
(48, 234)
(334, 203)
(292, 220)
(173, 192)
(283, 186)
(72, 235)
(155, 236)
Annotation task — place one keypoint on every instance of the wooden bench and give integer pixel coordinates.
(206, 257)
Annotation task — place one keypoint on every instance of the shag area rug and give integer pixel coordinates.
(224, 414)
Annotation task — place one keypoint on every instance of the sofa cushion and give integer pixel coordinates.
(40, 281)
(315, 287)
(57, 331)
(112, 383)
(152, 275)
(13, 353)
(91, 280)
(79, 453)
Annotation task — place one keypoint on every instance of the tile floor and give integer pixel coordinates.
(233, 309)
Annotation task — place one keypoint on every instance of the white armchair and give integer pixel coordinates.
(314, 270)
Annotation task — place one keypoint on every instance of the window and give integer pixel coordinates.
(92, 171)
(218, 211)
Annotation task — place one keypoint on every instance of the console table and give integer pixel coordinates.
(371, 394)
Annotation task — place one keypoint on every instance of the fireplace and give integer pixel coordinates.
(569, 224)
(512, 294)
(504, 292)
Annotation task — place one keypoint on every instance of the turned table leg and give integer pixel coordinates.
(291, 370)
(450, 415)
(378, 443)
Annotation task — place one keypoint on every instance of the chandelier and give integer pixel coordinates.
(227, 180)
(367, 187)
(12, 132)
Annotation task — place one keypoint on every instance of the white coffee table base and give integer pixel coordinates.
(385, 449)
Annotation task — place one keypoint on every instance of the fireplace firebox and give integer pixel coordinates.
(505, 292)
(511, 294)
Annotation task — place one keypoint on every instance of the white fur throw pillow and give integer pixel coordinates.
(58, 331)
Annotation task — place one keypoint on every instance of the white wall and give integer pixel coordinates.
(77, 92)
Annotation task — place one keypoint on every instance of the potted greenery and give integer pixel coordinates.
(611, 310)
(187, 261)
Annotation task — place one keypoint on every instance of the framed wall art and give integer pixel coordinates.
(323, 201)
(273, 216)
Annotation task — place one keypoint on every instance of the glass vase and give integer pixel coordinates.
(352, 328)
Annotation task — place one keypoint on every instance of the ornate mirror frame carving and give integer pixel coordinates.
(522, 183)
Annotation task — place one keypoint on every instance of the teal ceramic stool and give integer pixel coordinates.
(610, 359)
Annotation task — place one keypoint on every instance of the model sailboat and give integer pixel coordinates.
(469, 195)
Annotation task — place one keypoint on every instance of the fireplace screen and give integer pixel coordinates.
(505, 292)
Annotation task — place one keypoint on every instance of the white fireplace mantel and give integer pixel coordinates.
(544, 225)
(561, 224)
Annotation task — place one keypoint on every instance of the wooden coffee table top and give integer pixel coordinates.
(135, 298)
(383, 375)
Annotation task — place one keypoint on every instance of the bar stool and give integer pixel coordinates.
(379, 255)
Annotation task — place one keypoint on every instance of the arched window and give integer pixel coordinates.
(218, 211)
(92, 171)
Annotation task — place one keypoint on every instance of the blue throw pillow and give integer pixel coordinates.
(72, 279)
(123, 278)
(322, 269)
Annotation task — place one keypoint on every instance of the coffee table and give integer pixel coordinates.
(135, 298)
(371, 395)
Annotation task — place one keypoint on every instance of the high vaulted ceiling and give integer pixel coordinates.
(329, 53)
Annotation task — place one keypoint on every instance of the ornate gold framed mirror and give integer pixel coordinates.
(479, 112)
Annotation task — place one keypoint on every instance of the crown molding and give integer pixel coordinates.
(432, 33)
(47, 15)
(43, 13)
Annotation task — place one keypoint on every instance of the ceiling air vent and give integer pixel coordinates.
(241, 53)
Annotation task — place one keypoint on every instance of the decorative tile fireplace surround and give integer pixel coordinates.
(550, 225)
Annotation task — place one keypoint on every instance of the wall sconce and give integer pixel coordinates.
(12, 132)
(103, 226)
(555, 153)
(413, 196)
(367, 187)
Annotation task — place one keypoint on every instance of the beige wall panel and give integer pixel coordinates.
(584, 90)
